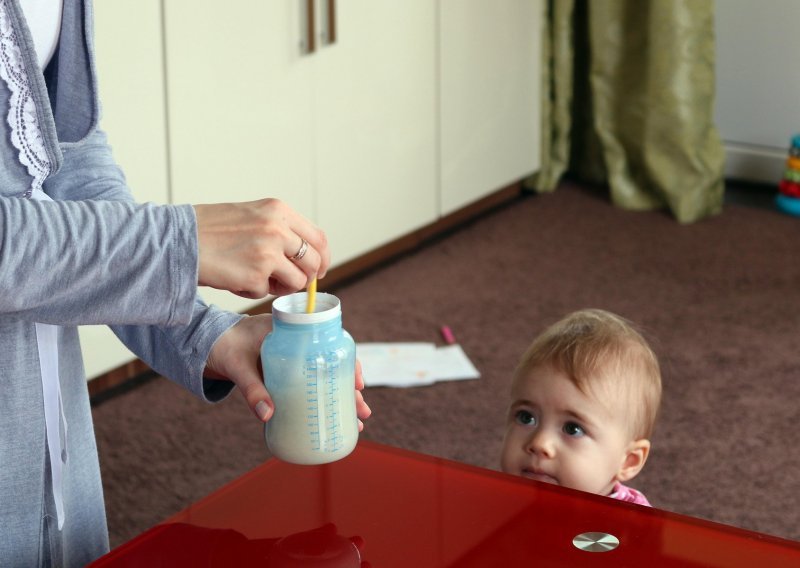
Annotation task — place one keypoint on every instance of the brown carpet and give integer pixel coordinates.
(719, 299)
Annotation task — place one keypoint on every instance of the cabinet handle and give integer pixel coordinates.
(307, 31)
(328, 34)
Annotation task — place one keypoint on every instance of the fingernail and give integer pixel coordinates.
(263, 410)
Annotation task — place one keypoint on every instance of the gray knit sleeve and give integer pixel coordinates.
(94, 256)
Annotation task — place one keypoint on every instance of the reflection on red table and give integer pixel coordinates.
(400, 508)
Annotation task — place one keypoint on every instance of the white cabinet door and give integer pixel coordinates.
(375, 113)
(490, 70)
(346, 134)
(131, 80)
(416, 109)
(240, 107)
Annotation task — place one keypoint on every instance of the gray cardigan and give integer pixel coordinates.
(93, 256)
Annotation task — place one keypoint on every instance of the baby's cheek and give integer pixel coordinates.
(506, 456)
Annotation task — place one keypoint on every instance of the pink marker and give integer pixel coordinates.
(447, 333)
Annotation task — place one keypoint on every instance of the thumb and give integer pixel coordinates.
(256, 395)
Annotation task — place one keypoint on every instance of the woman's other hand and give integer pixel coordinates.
(235, 357)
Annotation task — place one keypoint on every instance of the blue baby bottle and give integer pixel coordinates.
(309, 370)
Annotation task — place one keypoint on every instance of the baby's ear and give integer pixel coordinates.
(633, 462)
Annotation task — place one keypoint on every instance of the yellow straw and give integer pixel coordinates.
(312, 297)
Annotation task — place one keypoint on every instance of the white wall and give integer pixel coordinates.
(758, 85)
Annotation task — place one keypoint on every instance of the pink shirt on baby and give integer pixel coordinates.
(629, 494)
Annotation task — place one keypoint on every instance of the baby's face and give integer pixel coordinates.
(557, 434)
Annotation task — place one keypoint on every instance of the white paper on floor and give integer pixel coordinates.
(413, 364)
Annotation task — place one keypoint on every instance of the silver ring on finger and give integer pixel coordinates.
(301, 252)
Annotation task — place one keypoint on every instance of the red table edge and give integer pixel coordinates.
(712, 525)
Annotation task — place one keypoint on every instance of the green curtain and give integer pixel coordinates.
(629, 102)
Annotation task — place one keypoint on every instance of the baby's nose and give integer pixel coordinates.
(542, 443)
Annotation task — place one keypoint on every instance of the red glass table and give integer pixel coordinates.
(385, 507)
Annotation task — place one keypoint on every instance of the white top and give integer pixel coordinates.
(292, 308)
(44, 20)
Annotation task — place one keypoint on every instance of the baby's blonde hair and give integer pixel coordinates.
(597, 349)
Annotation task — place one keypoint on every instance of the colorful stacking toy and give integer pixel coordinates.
(788, 199)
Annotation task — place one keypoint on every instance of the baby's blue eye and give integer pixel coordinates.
(573, 429)
(525, 417)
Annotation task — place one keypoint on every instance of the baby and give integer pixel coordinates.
(584, 399)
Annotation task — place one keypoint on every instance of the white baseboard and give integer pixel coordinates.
(760, 164)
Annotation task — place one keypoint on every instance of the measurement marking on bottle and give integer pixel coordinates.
(323, 400)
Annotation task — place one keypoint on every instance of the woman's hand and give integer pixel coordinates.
(235, 357)
(257, 248)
